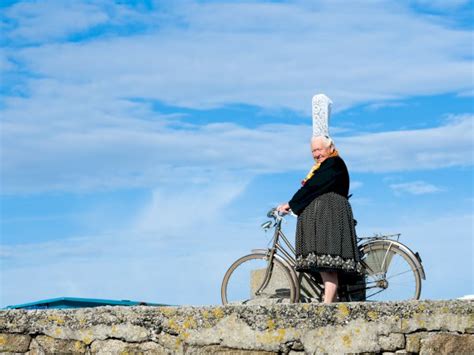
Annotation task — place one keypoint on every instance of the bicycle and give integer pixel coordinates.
(392, 272)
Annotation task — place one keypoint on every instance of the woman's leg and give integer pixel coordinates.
(330, 286)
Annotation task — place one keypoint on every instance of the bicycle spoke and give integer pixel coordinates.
(373, 294)
(391, 274)
(400, 273)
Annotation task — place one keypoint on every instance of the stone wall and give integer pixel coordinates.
(429, 327)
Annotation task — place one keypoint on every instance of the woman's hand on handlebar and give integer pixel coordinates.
(284, 208)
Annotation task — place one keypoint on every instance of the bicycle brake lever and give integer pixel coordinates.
(266, 225)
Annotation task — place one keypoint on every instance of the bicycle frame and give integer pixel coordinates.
(288, 257)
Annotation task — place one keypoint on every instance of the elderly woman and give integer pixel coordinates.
(325, 234)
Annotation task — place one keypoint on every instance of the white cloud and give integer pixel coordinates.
(174, 250)
(184, 205)
(5, 63)
(76, 127)
(48, 20)
(415, 188)
(467, 93)
(445, 5)
(176, 262)
(419, 149)
(282, 61)
(111, 144)
(379, 105)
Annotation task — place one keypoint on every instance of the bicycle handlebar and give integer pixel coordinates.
(274, 213)
(271, 213)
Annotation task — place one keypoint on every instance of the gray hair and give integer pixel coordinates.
(328, 142)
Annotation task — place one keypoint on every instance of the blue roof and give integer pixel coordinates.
(74, 302)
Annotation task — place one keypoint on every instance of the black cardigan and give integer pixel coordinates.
(332, 176)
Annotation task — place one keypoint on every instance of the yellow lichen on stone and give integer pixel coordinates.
(318, 310)
(58, 331)
(421, 307)
(271, 337)
(114, 329)
(343, 310)
(471, 320)
(86, 336)
(281, 334)
(357, 330)
(347, 341)
(173, 325)
(3, 341)
(206, 315)
(168, 311)
(271, 324)
(420, 321)
(189, 323)
(404, 324)
(78, 346)
(218, 313)
(372, 315)
(56, 319)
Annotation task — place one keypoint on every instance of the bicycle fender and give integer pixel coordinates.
(413, 256)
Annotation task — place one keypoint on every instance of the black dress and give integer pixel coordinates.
(325, 233)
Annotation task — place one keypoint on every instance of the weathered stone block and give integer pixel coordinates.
(357, 327)
(354, 337)
(413, 341)
(52, 345)
(87, 335)
(15, 343)
(113, 346)
(392, 342)
(445, 343)
(234, 333)
(216, 349)
(170, 343)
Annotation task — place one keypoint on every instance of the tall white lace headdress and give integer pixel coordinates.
(321, 110)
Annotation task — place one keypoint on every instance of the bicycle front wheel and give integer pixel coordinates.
(253, 279)
(391, 275)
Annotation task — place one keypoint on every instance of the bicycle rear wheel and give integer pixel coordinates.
(253, 280)
(391, 274)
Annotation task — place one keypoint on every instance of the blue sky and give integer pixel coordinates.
(142, 142)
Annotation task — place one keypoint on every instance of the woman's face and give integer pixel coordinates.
(319, 150)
